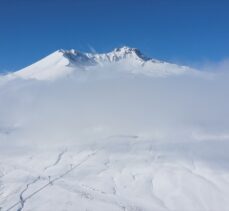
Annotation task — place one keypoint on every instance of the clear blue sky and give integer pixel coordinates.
(175, 30)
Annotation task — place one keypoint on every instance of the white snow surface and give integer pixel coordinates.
(106, 139)
(62, 63)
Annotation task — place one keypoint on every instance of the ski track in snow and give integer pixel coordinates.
(109, 198)
(59, 157)
(23, 199)
(114, 195)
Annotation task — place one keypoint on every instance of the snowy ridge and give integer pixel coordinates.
(64, 62)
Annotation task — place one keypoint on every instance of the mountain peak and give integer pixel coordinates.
(127, 51)
(64, 62)
(118, 54)
(76, 57)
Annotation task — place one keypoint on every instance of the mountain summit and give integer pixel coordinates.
(130, 60)
(117, 55)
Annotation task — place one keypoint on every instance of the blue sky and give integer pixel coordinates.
(189, 32)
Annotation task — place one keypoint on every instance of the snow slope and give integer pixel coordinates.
(51, 67)
(64, 62)
(127, 174)
(113, 143)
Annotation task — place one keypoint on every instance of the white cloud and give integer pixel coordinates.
(170, 131)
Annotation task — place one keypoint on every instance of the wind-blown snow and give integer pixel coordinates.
(107, 139)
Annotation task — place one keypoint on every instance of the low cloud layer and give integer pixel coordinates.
(187, 111)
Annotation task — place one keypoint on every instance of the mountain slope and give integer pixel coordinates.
(51, 67)
(64, 62)
(113, 143)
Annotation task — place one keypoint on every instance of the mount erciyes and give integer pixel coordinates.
(130, 60)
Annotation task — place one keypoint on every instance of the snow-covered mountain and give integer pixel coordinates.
(113, 142)
(130, 60)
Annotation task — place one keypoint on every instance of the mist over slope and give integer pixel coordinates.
(110, 139)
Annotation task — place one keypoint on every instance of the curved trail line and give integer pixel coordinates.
(22, 200)
(59, 157)
(52, 181)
